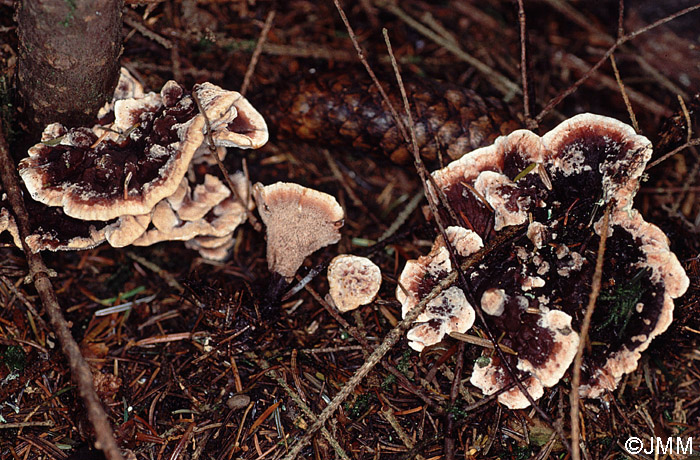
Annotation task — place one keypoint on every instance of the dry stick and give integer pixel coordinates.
(620, 19)
(258, 50)
(500, 82)
(104, 436)
(363, 60)
(572, 14)
(686, 115)
(528, 101)
(449, 444)
(299, 402)
(463, 282)
(391, 339)
(620, 41)
(649, 104)
(388, 414)
(367, 348)
(691, 143)
(212, 149)
(626, 98)
(585, 326)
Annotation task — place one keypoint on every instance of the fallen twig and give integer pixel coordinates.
(585, 326)
(104, 436)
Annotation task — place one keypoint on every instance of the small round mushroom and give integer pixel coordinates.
(493, 301)
(234, 122)
(353, 281)
(298, 222)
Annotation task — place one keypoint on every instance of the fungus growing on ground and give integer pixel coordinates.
(534, 287)
(299, 221)
(126, 179)
(449, 311)
(353, 281)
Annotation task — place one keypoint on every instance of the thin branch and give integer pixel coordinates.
(498, 80)
(528, 98)
(623, 91)
(557, 100)
(256, 53)
(104, 436)
(212, 149)
(576, 380)
(690, 143)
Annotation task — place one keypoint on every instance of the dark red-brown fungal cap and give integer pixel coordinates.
(544, 362)
(299, 221)
(52, 230)
(480, 185)
(449, 311)
(649, 310)
(599, 150)
(103, 180)
(353, 281)
(558, 184)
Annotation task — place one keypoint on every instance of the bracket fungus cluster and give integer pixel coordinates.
(141, 174)
(533, 287)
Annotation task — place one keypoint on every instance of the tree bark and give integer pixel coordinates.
(68, 58)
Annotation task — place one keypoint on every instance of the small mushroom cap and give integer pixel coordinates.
(502, 194)
(565, 345)
(433, 266)
(235, 122)
(448, 312)
(299, 221)
(353, 281)
(493, 301)
(489, 377)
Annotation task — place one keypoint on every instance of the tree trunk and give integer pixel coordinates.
(68, 58)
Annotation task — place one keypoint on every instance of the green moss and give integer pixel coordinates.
(359, 406)
(71, 13)
(622, 300)
(14, 358)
